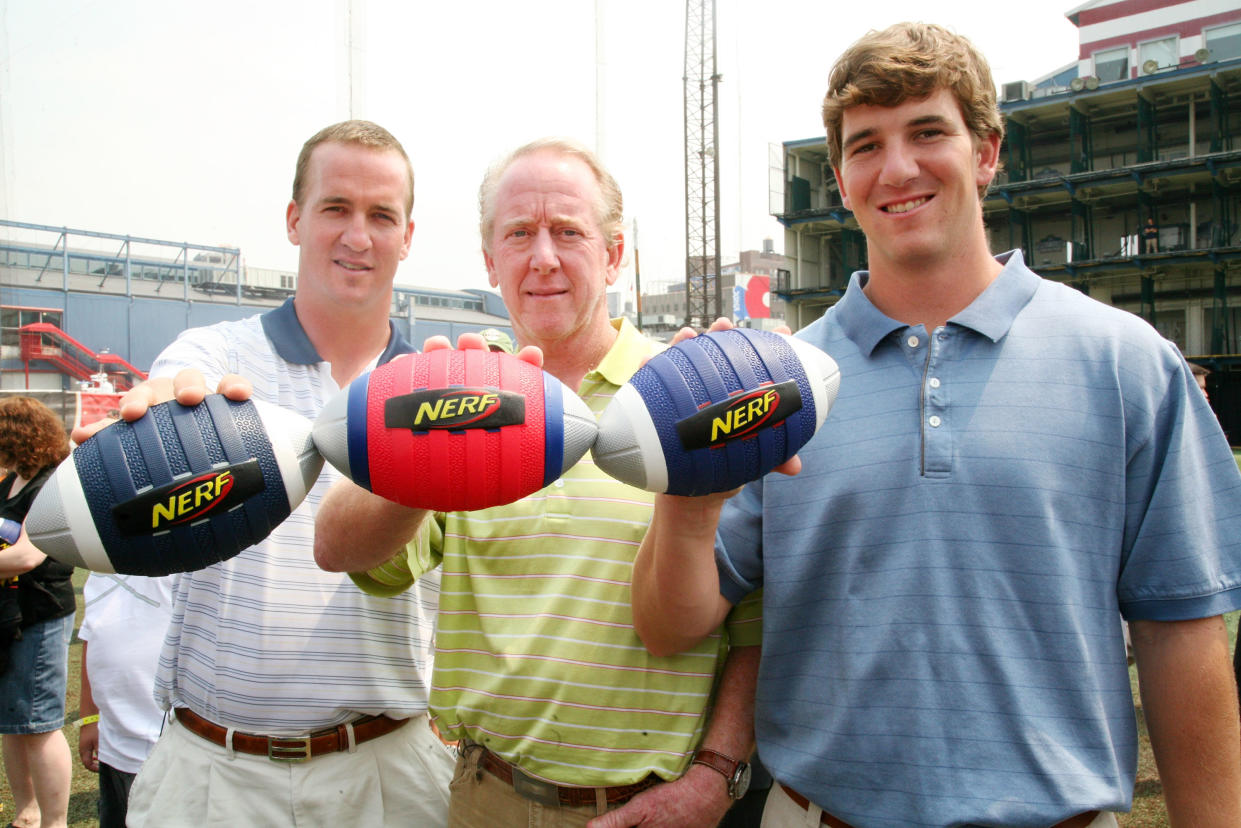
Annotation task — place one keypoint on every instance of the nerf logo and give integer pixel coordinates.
(742, 415)
(191, 499)
(185, 501)
(458, 408)
(455, 409)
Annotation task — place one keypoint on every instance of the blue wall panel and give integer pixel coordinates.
(32, 298)
(100, 322)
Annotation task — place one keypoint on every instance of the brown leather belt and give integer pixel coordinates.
(549, 793)
(1079, 821)
(290, 748)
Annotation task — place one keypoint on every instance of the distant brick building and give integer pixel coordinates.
(746, 292)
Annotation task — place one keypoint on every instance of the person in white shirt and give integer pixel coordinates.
(122, 632)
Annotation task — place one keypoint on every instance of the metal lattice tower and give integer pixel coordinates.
(703, 290)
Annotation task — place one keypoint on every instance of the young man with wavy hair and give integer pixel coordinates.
(1008, 465)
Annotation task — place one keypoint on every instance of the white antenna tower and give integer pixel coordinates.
(352, 25)
(601, 65)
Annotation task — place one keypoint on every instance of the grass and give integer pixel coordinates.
(1148, 807)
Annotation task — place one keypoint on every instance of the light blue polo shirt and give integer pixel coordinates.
(941, 640)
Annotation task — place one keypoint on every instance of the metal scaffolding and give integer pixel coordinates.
(703, 291)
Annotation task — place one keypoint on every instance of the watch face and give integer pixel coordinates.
(740, 782)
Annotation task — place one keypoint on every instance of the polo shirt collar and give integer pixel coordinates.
(861, 321)
(995, 309)
(289, 338)
(991, 314)
(625, 356)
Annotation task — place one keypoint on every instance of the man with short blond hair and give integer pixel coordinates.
(563, 718)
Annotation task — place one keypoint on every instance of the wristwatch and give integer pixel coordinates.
(734, 771)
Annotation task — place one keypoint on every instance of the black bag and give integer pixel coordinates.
(43, 593)
(10, 620)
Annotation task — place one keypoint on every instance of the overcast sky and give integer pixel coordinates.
(182, 121)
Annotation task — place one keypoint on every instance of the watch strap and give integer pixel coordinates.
(736, 773)
(726, 766)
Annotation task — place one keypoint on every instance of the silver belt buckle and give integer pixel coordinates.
(290, 749)
(544, 793)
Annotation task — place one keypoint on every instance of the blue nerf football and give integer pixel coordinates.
(10, 531)
(176, 490)
(716, 411)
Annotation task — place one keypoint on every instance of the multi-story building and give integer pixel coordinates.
(1144, 125)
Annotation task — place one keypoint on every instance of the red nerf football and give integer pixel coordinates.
(453, 430)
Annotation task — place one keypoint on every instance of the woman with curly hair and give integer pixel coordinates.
(39, 595)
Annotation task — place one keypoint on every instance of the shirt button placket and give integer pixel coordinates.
(938, 444)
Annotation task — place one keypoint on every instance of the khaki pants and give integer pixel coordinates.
(783, 812)
(480, 800)
(399, 780)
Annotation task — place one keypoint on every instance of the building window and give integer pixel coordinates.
(12, 318)
(1112, 64)
(1158, 54)
(1171, 324)
(1224, 42)
(1229, 321)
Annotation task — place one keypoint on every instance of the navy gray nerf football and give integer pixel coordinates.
(176, 490)
(716, 411)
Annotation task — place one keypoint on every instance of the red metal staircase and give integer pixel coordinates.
(44, 342)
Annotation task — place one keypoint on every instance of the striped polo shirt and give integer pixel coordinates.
(267, 641)
(536, 656)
